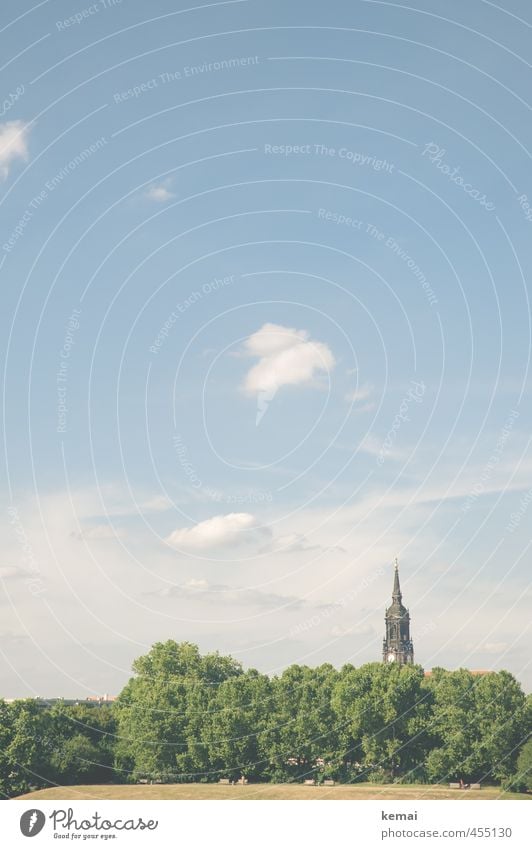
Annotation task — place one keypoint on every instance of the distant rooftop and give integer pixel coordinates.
(428, 672)
(89, 700)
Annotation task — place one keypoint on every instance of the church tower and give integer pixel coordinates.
(397, 646)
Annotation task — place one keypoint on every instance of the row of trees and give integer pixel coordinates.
(59, 745)
(188, 717)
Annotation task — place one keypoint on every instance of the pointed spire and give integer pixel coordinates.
(396, 595)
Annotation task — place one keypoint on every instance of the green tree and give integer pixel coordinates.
(524, 766)
(27, 752)
(77, 760)
(6, 734)
(161, 709)
(386, 711)
(235, 729)
(478, 722)
(455, 754)
(81, 740)
(302, 731)
(500, 707)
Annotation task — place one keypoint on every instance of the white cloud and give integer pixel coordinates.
(102, 532)
(382, 449)
(156, 504)
(10, 638)
(288, 357)
(362, 398)
(292, 542)
(216, 532)
(10, 572)
(202, 591)
(371, 445)
(159, 192)
(352, 630)
(13, 145)
(113, 499)
(494, 648)
(361, 393)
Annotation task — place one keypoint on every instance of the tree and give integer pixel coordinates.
(81, 740)
(235, 730)
(386, 711)
(77, 760)
(6, 734)
(500, 707)
(455, 755)
(27, 752)
(302, 731)
(164, 705)
(524, 766)
(478, 722)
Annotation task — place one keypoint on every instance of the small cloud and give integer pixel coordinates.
(103, 531)
(296, 542)
(361, 393)
(362, 399)
(13, 145)
(287, 357)
(217, 532)
(382, 449)
(494, 648)
(366, 408)
(293, 542)
(120, 503)
(159, 192)
(12, 639)
(195, 585)
(157, 504)
(371, 445)
(352, 630)
(201, 590)
(7, 572)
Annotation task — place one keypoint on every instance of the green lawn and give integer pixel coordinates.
(266, 791)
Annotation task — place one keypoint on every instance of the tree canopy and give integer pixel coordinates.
(184, 716)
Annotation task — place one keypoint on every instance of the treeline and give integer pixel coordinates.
(186, 717)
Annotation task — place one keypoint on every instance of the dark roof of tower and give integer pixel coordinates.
(397, 608)
(396, 585)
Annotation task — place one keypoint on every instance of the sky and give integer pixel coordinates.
(265, 326)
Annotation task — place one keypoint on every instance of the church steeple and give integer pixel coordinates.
(397, 645)
(397, 595)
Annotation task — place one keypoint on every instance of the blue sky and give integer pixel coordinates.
(265, 326)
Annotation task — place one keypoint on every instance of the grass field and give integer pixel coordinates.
(266, 791)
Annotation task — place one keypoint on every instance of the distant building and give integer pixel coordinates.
(91, 701)
(397, 645)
